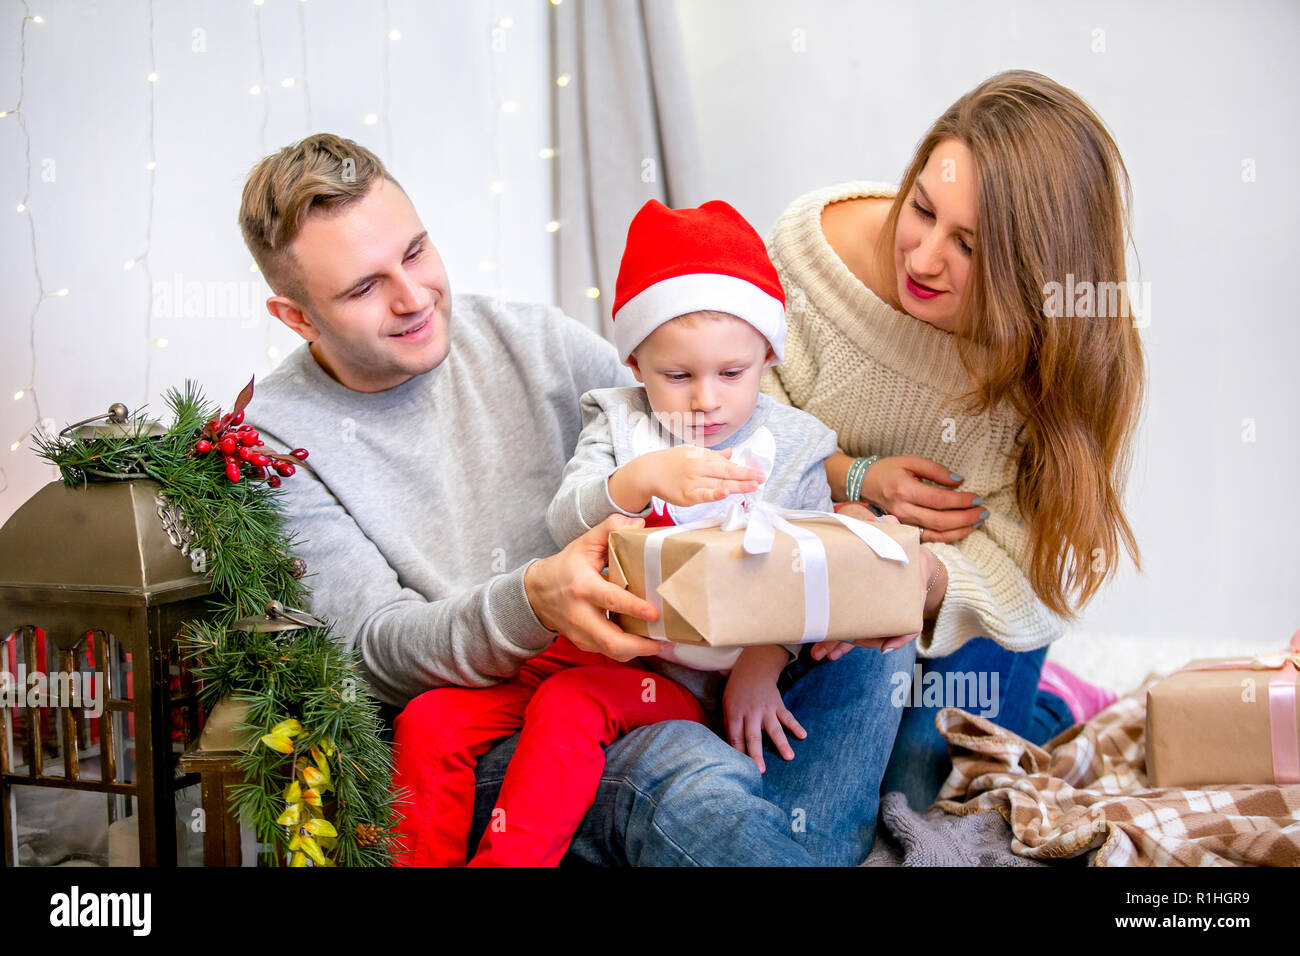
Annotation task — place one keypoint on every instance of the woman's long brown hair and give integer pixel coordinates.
(1053, 199)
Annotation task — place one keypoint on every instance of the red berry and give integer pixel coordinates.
(244, 452)
(232, 471)
(258, 472)
(273, 481)
(203, 446)
(227, 445)
(236, 418)
(299, 453)
(257, 458)
(212, 425)
(284, 468)
(250, 438)
(244, 428)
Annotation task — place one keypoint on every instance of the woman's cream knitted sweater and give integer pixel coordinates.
(886, 384)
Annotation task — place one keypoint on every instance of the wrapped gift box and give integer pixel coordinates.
(716, 594)
(1225, 721)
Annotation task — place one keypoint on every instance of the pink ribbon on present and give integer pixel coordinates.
(1281, 704)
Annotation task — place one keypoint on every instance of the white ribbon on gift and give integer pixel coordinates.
(761, 521)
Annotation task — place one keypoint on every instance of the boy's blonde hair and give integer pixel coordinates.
(322, 173)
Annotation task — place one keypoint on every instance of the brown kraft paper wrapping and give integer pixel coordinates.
(1209, 727)
(717, 595)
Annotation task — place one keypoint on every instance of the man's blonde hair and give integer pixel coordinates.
(322, 173)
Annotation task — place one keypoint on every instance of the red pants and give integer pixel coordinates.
(571, 704)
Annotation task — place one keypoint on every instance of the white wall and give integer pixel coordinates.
(86, 107)
(1190, 90)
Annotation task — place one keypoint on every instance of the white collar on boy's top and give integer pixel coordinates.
(757, 451)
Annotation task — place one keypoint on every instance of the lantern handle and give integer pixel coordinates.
(275, 610)
(117, 414)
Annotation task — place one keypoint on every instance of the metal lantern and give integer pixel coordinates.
(95, 583)
(216, 755)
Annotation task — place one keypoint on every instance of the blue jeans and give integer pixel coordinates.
(920, 761)
(676, 794)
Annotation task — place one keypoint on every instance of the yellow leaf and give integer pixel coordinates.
(289, 817)
(295, 842)
(312, 797)
(321, 828)
(278, 742)
(290, 728)
(294, 793)
(327, 745)
(312, 850)
(298, 859)
(313, 777)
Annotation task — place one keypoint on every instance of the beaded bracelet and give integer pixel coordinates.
(857, 471)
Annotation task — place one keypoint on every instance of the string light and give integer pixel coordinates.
(552, 226)
(385, 53)
(394, 35)
(370, 119)
(546, 153)
(143, 258)
(302, 47)
(563, 79)
(592, 291)
(287, 82)
(255, 89)
(497, 187)
(18, 395)
(509, 106)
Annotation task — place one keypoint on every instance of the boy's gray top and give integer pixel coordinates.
(425, 503)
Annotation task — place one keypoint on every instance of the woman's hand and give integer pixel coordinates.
(751, 704)
(895, 485)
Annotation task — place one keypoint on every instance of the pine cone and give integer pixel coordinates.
(367, 834)
(297, 567)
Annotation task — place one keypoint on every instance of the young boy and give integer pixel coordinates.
(699, 314)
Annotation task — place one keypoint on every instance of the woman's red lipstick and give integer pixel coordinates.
(918, 290)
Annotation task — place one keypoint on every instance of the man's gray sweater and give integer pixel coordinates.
(425, 503)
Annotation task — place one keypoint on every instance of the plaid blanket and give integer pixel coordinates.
(1086, 791)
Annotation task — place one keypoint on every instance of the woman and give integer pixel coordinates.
(922, 331)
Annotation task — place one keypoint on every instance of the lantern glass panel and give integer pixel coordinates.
(124, 746)
(63, 827)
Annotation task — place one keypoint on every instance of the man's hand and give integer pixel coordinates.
(684, 475)
(751, 704)
(569, 596)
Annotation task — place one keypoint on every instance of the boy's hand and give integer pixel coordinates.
(751, 704)
(684, 475)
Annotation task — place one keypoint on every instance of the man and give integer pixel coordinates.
(423, 515)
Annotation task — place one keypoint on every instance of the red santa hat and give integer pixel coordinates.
(689, 260)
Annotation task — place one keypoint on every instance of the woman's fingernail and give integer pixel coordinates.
(977, 502)
(984, 514)
(954, 477)
(888, 650)
(978, 523)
